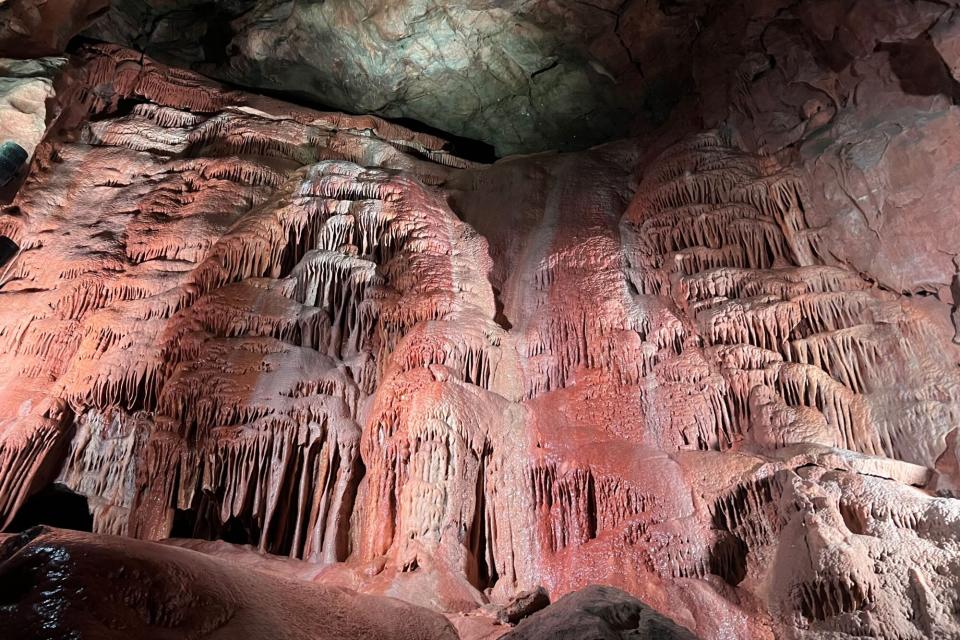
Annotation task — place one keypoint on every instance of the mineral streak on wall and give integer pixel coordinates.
(645, 365)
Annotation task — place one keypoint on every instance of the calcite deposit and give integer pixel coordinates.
(310, 374)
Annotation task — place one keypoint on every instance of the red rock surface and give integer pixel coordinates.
(164, 592)
(694, 367)
(33, 28)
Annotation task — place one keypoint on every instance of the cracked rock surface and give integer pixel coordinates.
(520, 75)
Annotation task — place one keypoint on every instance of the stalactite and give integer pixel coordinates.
(201, 315)
(23, 449)
(101, 463)
(270, 331)
(745, 511)
(566, 500)
(723, 234)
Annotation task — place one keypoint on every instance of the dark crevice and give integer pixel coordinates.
(240, 531)
(346, 509)
(125, 107)
(219, 33)
(202, 521)
(591, 507)
(920, 68)
(53, 506)
(616, 30)
(480, 542)
(728, 559)
(466, 148)
(500, 317)
(184, 523)
(8, 249)
(80, 41)
(552, 65)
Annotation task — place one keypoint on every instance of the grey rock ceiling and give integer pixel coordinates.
(521, 75)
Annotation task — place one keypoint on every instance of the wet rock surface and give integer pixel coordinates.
(53, 586)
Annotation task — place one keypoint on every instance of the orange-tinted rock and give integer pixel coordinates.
(860, 94)
(59, 584)
(34, 28)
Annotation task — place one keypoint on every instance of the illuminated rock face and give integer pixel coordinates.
(861, 96)
(655, 365)
(520, 75)
(26, 86)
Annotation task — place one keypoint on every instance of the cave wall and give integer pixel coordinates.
(711, 365)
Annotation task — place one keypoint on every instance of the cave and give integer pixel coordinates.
(447, 320)
(8, 249)
(53, 506)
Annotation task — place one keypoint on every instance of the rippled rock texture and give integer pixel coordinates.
(700, 367)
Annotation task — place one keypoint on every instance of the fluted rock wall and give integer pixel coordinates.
(655, 364)
(860, 96)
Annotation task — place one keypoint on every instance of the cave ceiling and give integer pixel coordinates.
(522, 76)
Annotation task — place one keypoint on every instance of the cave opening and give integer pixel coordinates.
(53, 506)
(728, 559)
(202, 521)
(466, 148)
(920, 68)
(8, 249)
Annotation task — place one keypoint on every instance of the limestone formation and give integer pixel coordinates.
(290, 364)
